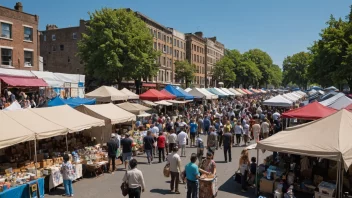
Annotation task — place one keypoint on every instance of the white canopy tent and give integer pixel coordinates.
(130, 94)
(14, 106)
(188, 89)
(235, 92)
(107, 94)
(205, 91)
(198, 92)
(147, 102)
(290, 97)
(49, 78)
(331, 100)
(227, 91)
(221, 91)
(278, 101)
(163, 102)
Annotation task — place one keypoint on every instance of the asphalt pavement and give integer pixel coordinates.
(157, 186)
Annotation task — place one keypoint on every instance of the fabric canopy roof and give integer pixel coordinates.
(312, 111)
(241, 91)
(341, 103)
(49, 78)
(42, 127)
(130, 94)
(237, 93)
(178, 92)
(186, 94)
(71, 78)
(67, 117)
(168, 94)
(246, 91)
(278, 101)
(154, 95)
(216, 92)
(136, 109)
(109, 112)
(205, 91)
(72, 102)
(149, 103)
(221, 91)
(188, 89)
(328, 138)
(331, 100)
(107, 94)
(290, 97)
(197, 92)
(163, 102)
(349, 107)
(23, 81)
(12, 132)
(14, 106)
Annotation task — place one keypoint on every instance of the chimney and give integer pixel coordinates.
(19, 7)
(213, 38)
(51, 27)
(200, 34)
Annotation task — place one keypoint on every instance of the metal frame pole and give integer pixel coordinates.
(256, 175)
(35, 156)
(66, 143)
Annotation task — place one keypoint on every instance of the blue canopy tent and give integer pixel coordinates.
(214, 91)
(178, 93)
(72, 102)
(186, 94)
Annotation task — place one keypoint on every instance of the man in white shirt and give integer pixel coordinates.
(182, 140)
(175, 168)
(172, 138)
(256, 131)
(265, 127)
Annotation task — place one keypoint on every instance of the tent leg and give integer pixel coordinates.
(341, 177)
(337, 178)
(35, 156)
(66, 144)
(30, 150)
(256, 175)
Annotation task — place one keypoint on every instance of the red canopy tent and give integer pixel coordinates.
(153, 95)
(168, 94)
(247, 92)
(312, 111)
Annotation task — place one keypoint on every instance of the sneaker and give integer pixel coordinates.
(72, 195)
(177, 192)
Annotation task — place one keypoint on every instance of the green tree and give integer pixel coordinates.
(184, 71)
(117, 45)
(275, 75)
(224, 71)
(295, 69)
(332, 53)
(263, 61)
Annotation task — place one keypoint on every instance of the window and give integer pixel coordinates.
(28, 34)
(164, 60)
(181, 55)
(151, 31)
(155, 45)
(178, 43)
(44, 37)
(159, 35)
(174, 42)
(181, 45)
(54, 48)
(62, 47)
(28, 58)
(167, 39)
(197, 59)
(159, 46)
(6, 30)
(6, 56)
(197, 48)
(167, 49)
(74, 35)
(164, 49)
(53, 37)
(164, 37)
(194, 58)
(155, 33)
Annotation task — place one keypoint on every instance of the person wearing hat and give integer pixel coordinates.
(112, 148)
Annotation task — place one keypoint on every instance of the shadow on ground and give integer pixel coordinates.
(161, 191)
(230, 186)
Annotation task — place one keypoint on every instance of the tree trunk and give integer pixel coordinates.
(138, 84)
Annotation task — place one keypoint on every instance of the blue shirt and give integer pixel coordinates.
(192, 171)
(206, 122)
(193, 127)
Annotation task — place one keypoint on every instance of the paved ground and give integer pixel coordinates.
(157, 185)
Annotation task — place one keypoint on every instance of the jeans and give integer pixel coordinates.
(238, 139)
(112, 158)
(244, 180)
(171, 146)
(161, 153)
(175, 180)
(183, 150)
(227, 149)
(192, 189)
(206, 130)
(68, 187)
(134, 192)
(219, 139)
(149, 155)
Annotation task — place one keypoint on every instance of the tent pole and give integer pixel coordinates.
(30, 150)
(35, 156)
(341, 176)
(66, 144)
(256, 175)
(337, 178)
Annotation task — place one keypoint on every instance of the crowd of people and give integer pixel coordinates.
(222, 124)
(32, 100)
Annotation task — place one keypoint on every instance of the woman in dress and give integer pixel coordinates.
(244, 167)
(207, 167)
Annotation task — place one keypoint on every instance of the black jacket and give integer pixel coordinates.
(112, 147)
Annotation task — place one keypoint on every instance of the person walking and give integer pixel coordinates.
(244, 168)
(182, 140)
(200, 148)
(206, 125)
(161, 146)
(246, 134)
(175, 168)
(238, 132)
(112, 150)
(212, 142)
(148, 142)
(265, 128)
(172, 139)
(134, 179)
(126, 144)
(227, 142)
(193, 131)
(256, 130)
(192, 175)
(68, 175)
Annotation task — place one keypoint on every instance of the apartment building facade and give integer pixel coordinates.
(196, 54)
(179, 48)
(214, 52)
(19, 41)
(59, 48)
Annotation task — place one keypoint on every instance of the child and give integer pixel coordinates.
(253, 170)
(68, 174)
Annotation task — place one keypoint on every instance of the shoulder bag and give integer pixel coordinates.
(124, 187)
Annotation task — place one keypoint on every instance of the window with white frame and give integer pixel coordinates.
(28, 34)
(44, 37)
(28, 58)
(6, 30)
(74, 35)
(53, 37)
(6, 56)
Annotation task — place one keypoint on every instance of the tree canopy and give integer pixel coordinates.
(184, 71)
(295, 69)
(224, 71)
(117, 45)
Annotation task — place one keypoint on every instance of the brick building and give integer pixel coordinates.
(59, 48)
(19, 40)
(195, 53)
(214, 52)
(179, 48)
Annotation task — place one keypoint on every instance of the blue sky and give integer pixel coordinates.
(278, 27)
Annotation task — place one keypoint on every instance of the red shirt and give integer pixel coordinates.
(161, 141)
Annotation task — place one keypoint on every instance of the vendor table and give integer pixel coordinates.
(22, 191)
(208, 187)
(96, 168)
(55, 177)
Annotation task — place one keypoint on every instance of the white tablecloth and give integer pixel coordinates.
(55, 178)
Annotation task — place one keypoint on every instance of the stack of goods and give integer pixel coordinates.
(13, 179)
(92, 155)
(326, 190)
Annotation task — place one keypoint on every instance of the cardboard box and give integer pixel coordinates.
(327, 188)
(43, 164)
(321, 195)
(266, 186)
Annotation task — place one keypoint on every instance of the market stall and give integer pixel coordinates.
(237, 93)
(134, 108)
(105, 94)
(333, 144)
(198, 92)
(278, 101)
(312, 111)
(220, 94)
(187, 96)
(72, 102)
(34, 188)
(130, 94)
(154, 95)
